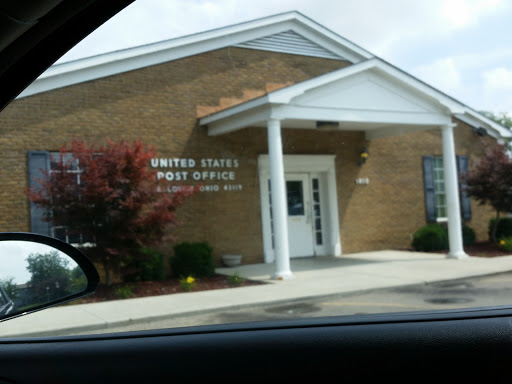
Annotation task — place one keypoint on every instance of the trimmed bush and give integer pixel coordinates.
(192, 259)
(468, 235)
(505, 244)
(148, 268)
(504, 228)
(432, 237)
(152, 268)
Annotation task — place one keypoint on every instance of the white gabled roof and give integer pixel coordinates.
(289, 32)
(373, 96)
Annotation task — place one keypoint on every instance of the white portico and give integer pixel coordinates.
(371, 96)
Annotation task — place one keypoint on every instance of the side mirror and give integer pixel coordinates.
(37, 272)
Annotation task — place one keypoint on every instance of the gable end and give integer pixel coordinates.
(292, 43)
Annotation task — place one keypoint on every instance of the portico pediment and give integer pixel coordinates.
(366, 91)
(372, 96)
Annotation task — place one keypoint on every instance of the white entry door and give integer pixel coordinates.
(300, 227)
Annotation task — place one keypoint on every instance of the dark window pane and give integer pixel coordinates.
(60, 233)
(318, 223)
(315, 184)
(295, 198)
(317, 210)
(319, 238)
(74, 238)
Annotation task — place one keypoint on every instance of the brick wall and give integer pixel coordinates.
(158, 104)
(385, 213)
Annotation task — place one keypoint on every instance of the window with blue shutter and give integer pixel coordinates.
(435, 195)
(465, 200)
(38, 161)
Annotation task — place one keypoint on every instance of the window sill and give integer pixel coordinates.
(83, 245)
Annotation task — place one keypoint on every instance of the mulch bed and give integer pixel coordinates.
(165, 287)
(481, 249)
(485, 249)
(172, 285)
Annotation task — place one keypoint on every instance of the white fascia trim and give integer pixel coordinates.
(299, 163)
(477, 120)
(234, 123)
(235, 110)
(359, 116)
(112, 63)
(284, 96)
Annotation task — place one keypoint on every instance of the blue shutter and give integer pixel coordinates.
(465, 200)
(428, 183)
(37, 161)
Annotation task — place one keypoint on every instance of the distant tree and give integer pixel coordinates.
(50, 276)
(10, 287)
(78, 280)
(500, 118)
(490, 182)
(118, 204)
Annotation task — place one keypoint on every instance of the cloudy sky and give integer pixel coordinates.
(462, 47)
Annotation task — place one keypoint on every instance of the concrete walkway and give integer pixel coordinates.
(314, 278)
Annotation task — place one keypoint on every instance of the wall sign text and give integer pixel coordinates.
(199, 170)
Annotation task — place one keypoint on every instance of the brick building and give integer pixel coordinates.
(304, 143)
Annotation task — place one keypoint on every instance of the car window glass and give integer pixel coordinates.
(233, 166)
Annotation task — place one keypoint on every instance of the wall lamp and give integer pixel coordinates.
(363, 155)
(480, 131)
(327, 125)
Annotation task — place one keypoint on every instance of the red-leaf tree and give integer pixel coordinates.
(108, 194)
(490, 182)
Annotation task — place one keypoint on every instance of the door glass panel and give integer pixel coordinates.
(316, 212)
(295, 198)
(271, 217)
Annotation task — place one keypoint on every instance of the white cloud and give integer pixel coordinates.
(461, 13)
(442, 74)
(377, 25)
(497, 90)
(421, 36)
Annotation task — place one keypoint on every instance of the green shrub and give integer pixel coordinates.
(152, 268)
(432, 237)
(124, 292)
(505, 244)
(192, 259)
(468, 235)
(235, 279)
(504, 228)
(149, 267)
(188, 283)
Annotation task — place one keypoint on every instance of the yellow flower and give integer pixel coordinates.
(502, 242)
(364, 155)
(190, 279)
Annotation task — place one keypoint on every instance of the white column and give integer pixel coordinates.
(333, 214)
(279, 204)
(452, 194)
